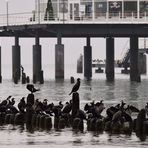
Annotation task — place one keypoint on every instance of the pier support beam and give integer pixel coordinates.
(80, 64)
(134, 70)
(59, 59)
(16, 61)
(88, 60)
(142, 63)
(110, 59)
(0, 67)
(37, 62)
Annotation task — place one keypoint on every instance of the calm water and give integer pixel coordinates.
(54, 91)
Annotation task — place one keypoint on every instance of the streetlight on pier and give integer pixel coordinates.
(7, 11)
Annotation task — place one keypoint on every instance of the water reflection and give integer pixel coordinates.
(30, 128)
(110, 91)
(87, 90)
(133, 91)
(77, 138)
(21, 128)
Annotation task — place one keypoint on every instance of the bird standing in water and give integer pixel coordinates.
(75, 87)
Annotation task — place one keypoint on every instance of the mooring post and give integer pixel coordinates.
(110, 59)
(88, 59)
(140, 121)
(134, 70)
(59, 59)
(75, 104)
(0, 67)
(16, 60)
(37, 62)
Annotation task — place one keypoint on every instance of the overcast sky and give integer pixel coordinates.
(73, 47)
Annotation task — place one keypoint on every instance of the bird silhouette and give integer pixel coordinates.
(31, 88)
(75, 87)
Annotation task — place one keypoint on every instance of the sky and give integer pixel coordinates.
(73, 47)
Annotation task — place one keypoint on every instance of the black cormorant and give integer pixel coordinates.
(75, 87)
(31, 88)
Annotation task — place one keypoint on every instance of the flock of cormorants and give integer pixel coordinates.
(118, 118)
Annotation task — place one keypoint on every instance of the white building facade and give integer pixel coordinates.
(93, 9)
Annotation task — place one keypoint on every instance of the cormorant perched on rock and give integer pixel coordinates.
(68, 107)
(99, 107)
(81, 114)
(6, 101)
(75, 87)
(31, 88)
(130, 109)
(12, 101)
(22, 105)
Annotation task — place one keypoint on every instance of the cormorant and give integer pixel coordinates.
(5, 102)
(75, 87)
(31, 88)
(22, 105)
(68, 107)
(12, 101)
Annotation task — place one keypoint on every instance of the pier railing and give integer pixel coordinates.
(72, 17)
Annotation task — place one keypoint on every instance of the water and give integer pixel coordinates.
(97, 89)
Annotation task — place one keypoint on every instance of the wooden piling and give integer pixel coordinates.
(72, 80)
(11, 121)
(145, 127)
(140, 120)
(76, 122)
(41, 80)
(75, 104)
(33, 121)
(99, 125)
(48, 123)
(62, 123)
(23, 78)
(42, 122)
(93, 124)
(38, 120)
(81, 125)
(19, 119)
(27, 79)
(56, 122)
(108, 126)
(7, 118)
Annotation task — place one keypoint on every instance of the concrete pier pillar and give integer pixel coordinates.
(37, 62)
(0, 67)
(75, 104)
(16, 61)
(134, 71)
(88, 60)
(142, 63)
(110, 59)
(80, 64)
(59, 59)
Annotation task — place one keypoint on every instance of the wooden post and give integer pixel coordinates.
(75, 104)
(139, 122)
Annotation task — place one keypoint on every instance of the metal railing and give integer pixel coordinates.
(72, 17)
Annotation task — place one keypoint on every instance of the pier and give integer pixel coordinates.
(77, 19)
